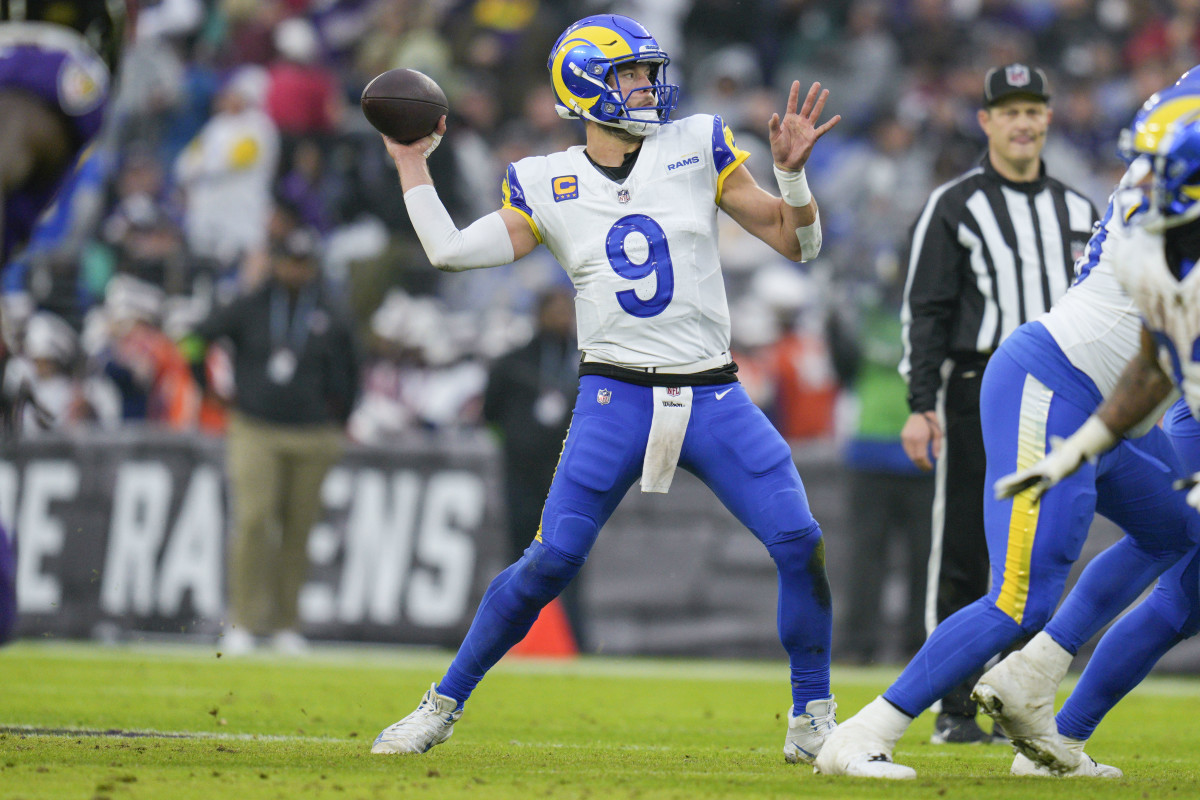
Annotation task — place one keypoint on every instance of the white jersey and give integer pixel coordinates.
(1170, 307)
(1096, 323)
(642, 253)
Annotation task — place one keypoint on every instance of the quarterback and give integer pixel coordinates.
(1154, 251)
(631, 217)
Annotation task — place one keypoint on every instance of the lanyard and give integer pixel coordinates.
(293, 334)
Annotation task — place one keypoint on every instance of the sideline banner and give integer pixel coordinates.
(128, 532)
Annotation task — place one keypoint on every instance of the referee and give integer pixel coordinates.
(991, 249)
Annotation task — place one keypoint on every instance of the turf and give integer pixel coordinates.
(154, 721)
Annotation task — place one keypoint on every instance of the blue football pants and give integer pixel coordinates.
(732, 447)
(1171, 613)
(1032, 546)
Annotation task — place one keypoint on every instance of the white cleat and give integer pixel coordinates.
(289, 643)
(237, 642)
(431, 724)
(1088, 767)
(807, 732)
(1019, 695)
(855, 750)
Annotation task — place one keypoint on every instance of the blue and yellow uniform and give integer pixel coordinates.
(1043, 382)
(654, 332)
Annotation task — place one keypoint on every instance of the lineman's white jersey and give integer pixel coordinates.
(1170, 307)
(1096, 323)
(642, 253)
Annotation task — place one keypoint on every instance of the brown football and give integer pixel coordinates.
(403, 104)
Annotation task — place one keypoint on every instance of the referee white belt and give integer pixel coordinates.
(703, 365)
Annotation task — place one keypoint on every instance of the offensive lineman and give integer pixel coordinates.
(1042, 381)
(631, 217)
(1154, 254)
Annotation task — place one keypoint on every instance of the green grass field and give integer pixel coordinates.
(155, 721)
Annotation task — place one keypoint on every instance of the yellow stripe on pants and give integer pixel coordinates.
(1022, 525)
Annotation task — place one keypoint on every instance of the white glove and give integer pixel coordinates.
(1066, 456)
(1192, 484)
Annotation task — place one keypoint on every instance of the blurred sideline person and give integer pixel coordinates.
(1041, 383)
(295, 366)
(527, 400)
(54, 85)
(990, 250)
(631, 217)
(895, 522)
(1154, 254)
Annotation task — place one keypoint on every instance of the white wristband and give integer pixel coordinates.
(433, 145)
(793, 187)
(810, 237)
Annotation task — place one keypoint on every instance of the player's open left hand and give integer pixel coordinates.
(793, 137)
(1192, 485)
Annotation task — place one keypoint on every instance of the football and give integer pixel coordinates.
(403, 104)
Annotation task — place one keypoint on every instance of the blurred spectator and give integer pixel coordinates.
(797, 362)
(305, 186)
(403, 33)
(227, 173)
(889, 497)
(149, 245)
(127, 343)
(65, 399)
(303, 96)
(295, 367)
(419, 378)
(528, 404)
(250, 39)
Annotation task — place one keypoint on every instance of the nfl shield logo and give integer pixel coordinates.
(1017, 75)
(604, 396)
(622, 195)
(673, 391)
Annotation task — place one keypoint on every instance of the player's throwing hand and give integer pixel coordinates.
(793, 137)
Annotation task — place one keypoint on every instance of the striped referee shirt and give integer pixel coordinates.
(986, 255)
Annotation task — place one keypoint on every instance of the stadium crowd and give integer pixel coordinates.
(235, 123)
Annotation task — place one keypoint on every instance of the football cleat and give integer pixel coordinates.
(807, 732)
(431, 724)
(237, 642)
(855, 750)
(1019, 696)
(958, 729)
(1088, 767)
(289, 643)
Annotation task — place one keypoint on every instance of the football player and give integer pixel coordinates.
(1154, 251)
(1057, 369)
(56, 62)
(632, 219)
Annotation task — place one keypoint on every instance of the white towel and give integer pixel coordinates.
(672, 410)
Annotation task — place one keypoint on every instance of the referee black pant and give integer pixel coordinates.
(958, 557)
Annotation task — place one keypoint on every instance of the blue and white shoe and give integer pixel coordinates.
(431, 724)
(807, 732)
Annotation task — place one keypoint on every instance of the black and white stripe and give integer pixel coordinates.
(986, 256)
